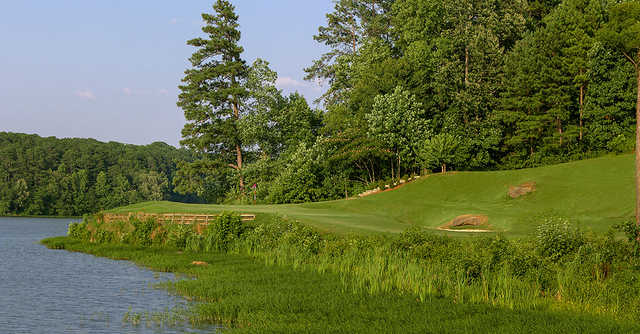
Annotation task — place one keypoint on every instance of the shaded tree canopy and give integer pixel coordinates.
(71, 177)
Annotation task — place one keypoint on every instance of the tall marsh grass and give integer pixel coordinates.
(560, 268)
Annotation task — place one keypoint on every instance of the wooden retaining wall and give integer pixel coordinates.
(179, 218)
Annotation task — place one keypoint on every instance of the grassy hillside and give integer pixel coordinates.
(597, 193)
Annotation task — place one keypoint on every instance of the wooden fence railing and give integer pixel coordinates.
(179, 218)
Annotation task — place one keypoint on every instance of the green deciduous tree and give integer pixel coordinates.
(538, 9)
(258, 128)
(573, 24)
(203, 178)
(152, 185)
(610, 107)
(82, 196)
(622, 33)
(73, 177)
(21, 191)
(397, 122)
(300, 179)
(348, 26)
(440, 151)
(102, 190)
(274, 123)
(546, 77)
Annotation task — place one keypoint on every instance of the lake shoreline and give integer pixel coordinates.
(232, 290)
(45, 291)
(37, 216)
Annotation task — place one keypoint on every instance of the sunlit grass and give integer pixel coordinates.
(563, 270)
(597, 192)
(246, 295)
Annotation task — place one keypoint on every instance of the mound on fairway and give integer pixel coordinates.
(597, 193)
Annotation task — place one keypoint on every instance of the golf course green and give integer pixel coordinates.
(596, 193)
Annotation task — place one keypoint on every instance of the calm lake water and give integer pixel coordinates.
(53, 291)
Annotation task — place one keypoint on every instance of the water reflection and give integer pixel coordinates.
(47, 291)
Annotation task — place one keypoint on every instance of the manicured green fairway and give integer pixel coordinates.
(598, 193)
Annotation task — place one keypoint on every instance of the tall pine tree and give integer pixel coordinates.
(213, 90)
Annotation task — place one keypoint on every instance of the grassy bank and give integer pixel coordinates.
(598, 193)
(561, 270)
(248, 296)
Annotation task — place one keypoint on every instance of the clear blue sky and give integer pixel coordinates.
(109, 70)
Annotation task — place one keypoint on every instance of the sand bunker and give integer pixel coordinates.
(521, 190)
(466, 223)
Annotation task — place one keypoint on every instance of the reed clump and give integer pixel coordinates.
(561, 267)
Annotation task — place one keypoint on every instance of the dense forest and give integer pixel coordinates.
(71, 177)
(412, 86)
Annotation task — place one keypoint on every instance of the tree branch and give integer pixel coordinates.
(631, 60)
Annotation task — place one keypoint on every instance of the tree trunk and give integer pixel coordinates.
(638, 145)
(392, 168)
(236, 114)
(560, 130)
(373, 170)
(239, 164)
(466, 80)
(581, 108)
(466, 66)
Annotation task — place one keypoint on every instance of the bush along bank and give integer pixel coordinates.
(560, 268)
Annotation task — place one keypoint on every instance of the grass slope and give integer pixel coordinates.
(596, 192)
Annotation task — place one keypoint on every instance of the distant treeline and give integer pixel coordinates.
(70, 177)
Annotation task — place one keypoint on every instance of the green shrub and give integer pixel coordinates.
(420, 244)
(178, 234)
(227, 228)
(523, 260)
(500, 251)
(72, 230)
(195, 243)
(595, 258)
(621, 144)
(632, 231)
(4, 208)
(561, 264)
(556, 237)
(102, 236)
(279, 233)
(79, 231)
(334, 246)
(305, 239)
(470, 259)
(159, 236)
(142, 230)
(265, 236)
(126, 237)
